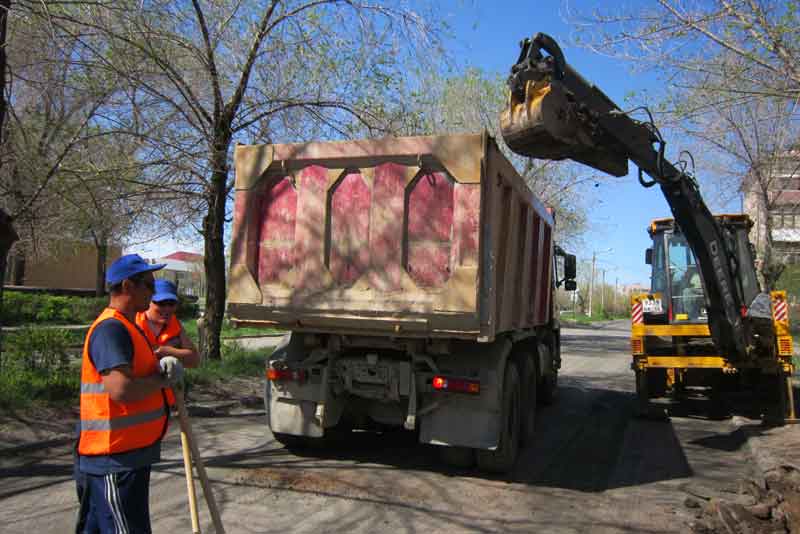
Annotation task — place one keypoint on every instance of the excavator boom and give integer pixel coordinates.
(554, 113)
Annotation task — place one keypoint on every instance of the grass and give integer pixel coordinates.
(23, 386)
(77, 336)
(228, 331)
(236, 362)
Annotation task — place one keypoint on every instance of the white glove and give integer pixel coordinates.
(171, 370)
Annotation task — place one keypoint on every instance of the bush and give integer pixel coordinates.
(37, 364)
(188, 308)
(26, 308)
(235, 361)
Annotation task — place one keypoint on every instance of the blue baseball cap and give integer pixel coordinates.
(129, 265)
(165, 290)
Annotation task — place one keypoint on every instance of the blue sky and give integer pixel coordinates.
(487, 35)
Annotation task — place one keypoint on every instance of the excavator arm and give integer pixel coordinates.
(553, 113)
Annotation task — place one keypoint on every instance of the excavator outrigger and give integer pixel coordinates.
(554, 113)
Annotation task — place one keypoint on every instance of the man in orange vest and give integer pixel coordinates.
(163, 329)
(124, 407)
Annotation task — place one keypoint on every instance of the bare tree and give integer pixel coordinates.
(731, 73)
(471, 102)
(231, 71)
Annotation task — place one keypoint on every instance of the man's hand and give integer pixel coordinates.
(164, 350)
(171, 370)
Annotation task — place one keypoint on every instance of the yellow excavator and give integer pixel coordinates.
(554, 113)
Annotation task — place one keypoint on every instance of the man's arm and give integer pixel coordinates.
(187, 354)
(122, 386)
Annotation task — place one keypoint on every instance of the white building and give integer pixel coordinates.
(185, 269)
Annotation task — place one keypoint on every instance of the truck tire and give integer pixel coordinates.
(502, 459)
(548, 387)
(290, 441)
(462, 457)
(531, 381)
(334, 437)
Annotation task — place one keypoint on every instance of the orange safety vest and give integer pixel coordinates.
(111, 427)
(171, 331)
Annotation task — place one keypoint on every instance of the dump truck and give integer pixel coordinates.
(554, 113)
(671, 343)
(416, 277)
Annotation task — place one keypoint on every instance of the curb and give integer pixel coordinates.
(765, 460)
(35, 446)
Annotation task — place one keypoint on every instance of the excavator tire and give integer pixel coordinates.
(503, 458)
(656, 382)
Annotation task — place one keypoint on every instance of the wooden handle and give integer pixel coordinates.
(186, 429)
(187, 466)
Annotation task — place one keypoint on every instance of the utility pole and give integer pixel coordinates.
(591, 283)
(603, 294)
(616, 283)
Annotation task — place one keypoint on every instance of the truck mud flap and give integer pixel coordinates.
(295, 417)
(464, 421)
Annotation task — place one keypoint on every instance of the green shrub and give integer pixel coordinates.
(188, 309)
(235, 361)
(40, 308)
(38, 364)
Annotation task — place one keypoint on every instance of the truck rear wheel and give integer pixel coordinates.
(463, 457)
(548, 387)
(502, 459)
(334, 437)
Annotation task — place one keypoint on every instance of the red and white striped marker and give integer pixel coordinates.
(637, 315)
(780, 310)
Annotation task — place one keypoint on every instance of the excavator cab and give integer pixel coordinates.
(676, 277)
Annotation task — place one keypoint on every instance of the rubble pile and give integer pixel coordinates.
(768, 506)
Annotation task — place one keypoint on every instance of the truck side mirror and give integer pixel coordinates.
(570, 285)
(648, 256)
(570, 268)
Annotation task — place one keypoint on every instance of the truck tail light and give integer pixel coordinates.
(456, 385)
(279, 375)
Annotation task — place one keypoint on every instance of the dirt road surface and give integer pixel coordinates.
(593, 468)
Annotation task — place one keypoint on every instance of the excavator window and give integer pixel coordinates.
(658, 282)
(687, 301)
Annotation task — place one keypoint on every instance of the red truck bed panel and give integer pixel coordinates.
(417, 236)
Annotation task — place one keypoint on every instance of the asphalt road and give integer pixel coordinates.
(593, 468)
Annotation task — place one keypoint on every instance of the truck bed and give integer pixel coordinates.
(403, 237)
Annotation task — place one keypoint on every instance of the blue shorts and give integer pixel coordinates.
(118, 503)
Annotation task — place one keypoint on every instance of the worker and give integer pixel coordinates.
(692, 293)
(163, 329)
(124, 411)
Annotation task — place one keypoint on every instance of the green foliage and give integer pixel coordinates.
(26, 308)
(790, 282)
(235, 361)
(187, 309)
(37, 365)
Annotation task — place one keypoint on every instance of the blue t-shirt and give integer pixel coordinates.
(111, 346)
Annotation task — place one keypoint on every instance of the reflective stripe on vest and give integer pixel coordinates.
(111, 427)
(171, 331)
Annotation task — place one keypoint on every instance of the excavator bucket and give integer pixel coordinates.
(542, 119)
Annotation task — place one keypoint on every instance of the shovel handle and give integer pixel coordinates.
(186, 429)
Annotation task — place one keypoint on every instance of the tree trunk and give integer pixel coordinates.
(214, 261)
(7, 238)
(100, 278)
